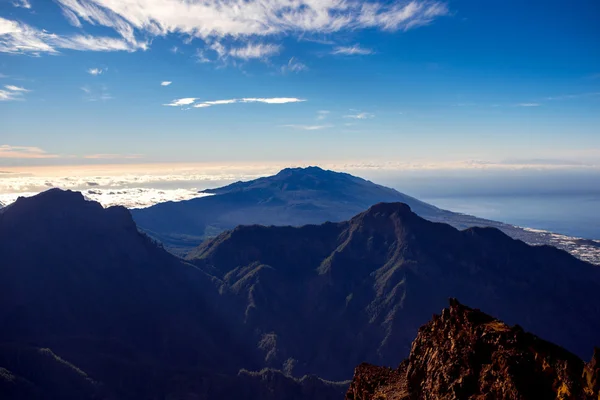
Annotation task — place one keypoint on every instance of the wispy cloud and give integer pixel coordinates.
(205, 104)
(322, 114)
(250, 19)
(573, 96)
(12, 93)
(96, 71)
(7, 95)
(362, 115)
(528, 105)
(201, 57)
(324, 42)
(22, 3)
(186, 101)
(254, 51)
(294, 66)
(308, 127)
(273, 100)
(17, 88)
(112, 156)
(165, 83)
(20, 38)
(96, 93)
(8, 151)
(355, 50)
(71, 17)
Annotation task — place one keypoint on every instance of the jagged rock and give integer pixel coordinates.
(467, 354)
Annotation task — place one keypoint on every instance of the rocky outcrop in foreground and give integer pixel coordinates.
(466, 354)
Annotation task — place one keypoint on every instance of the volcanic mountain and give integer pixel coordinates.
(300, 196)
(466, 354)
(295, 196)
(322, 299)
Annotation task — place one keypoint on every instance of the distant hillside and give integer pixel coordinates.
(322, 299)
(300, 196)
(466, 354)
(295, 196)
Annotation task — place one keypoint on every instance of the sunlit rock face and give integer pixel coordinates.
(466, 354)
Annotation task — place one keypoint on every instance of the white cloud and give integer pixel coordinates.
(213, 20)
(186, 101)
(355, 50)
(165, 83)
(191, 100)
(241, 20)
(218, 102)
(71, 17)
(362, 115)
(20, 38)
(528, 104)
(273, 100)
(6, 95)
(12, 93)
(16, 88)
(95, 71)
(249, 51)
(308, 127)
(293, 65)
(22, 3)
(7, 151)
(245, 18)
(201, 57)
(254, 51)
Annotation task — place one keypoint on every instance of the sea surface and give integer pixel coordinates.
(569, 214)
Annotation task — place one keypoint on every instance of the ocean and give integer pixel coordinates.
(570, 214)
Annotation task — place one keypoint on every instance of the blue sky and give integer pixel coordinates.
(430, 83)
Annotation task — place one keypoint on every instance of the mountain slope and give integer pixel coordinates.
(321, 299)
(295, 196)
(92, 309)
(300, 196)
(82, 281)
(464, 353)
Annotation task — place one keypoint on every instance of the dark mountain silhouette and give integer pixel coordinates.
(322, 299)
(90, 308)
(300, 196)
(295, 196)
(466, 354)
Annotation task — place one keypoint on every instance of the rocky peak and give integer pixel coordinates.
(60, 209)
(465, 353)
(392, 221)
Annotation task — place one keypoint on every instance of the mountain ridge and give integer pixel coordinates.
(375, 279)
(316, 300)
(301, 196)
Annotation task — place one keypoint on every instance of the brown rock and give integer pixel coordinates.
(466, 354)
